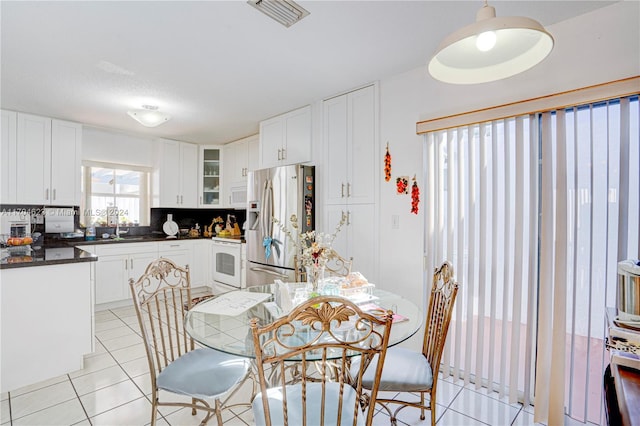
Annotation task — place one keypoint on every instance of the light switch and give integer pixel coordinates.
(395, 221)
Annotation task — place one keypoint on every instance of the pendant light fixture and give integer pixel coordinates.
(149, 116)
(490, 49)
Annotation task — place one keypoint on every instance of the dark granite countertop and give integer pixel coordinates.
(58, 251)
(44, 256)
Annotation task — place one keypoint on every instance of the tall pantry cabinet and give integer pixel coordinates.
(350, 147)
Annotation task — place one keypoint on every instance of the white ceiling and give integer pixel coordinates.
(218, 67)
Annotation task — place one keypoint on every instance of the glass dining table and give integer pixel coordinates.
(223, 322)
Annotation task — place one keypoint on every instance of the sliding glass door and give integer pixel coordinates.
(534, 211)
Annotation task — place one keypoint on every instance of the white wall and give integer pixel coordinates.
(591, 49)
(111, 146)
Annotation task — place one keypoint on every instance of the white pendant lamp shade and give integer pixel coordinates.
(490, 49)
(149, 116)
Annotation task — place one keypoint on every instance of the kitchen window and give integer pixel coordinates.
(109, 188)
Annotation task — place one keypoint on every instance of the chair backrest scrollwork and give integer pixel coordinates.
(441, 301)
(318, 338)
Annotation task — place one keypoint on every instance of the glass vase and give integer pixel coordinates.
(315, 274)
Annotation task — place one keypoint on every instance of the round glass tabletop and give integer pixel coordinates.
(223, 322)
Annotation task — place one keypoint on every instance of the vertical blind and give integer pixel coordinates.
(534, 212)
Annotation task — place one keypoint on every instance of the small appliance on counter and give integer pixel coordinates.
(623, 334)
(59, 220)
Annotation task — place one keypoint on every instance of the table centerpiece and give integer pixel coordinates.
(312, 248)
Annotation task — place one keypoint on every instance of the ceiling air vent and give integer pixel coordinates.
(284, 11)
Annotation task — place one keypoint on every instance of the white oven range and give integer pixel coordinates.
(228, 260)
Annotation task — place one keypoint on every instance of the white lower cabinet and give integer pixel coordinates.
(200, 267)
(177, 251)
(117, 263)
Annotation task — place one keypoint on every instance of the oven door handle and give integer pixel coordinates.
(269, 271)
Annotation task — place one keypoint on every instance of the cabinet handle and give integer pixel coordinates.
(174, 245)
(284, 153)
(125, 265)
(46, 194)
(181, 199)
(348, 190)
(348, 218)
(177, 199)
(279, 154)
(54, 193)
(229, 199)
(131, 260)
(342, 191)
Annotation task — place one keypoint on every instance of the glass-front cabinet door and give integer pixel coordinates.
(210, 176)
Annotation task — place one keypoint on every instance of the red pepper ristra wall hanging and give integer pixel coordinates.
(387, 165)
(415, 196)
(402, 185)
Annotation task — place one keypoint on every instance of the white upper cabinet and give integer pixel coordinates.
(66, 161)
(48, 161)
(210, 182)
(349, 131)
(286, 139)
(176, 174)
(239, 157)
(8, 158)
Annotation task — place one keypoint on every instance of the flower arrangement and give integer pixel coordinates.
(313, 248)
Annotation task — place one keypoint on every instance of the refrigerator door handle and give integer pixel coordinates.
(266, 209)
(269, 271)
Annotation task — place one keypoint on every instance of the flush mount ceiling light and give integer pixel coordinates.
(490, 49)
(284, 11)
(149, 116)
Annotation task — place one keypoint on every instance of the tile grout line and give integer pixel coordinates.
(10, 413)
(79, 400)
(127, 374)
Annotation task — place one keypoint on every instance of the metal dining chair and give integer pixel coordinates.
(320, 335)
(162, 296)
(406, 370)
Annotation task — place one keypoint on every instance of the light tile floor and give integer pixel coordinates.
(113, 389)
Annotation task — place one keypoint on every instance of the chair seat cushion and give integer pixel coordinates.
(313, 403)
(203, 373)
(404, 370)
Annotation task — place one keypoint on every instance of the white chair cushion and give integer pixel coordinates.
(404, 370)
(203, 373)
(313, 399)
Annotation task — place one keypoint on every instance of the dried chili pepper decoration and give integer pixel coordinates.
(415, 196)
(387, 165)
(401, 185)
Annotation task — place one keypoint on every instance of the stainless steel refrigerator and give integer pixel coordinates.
(280, 192)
